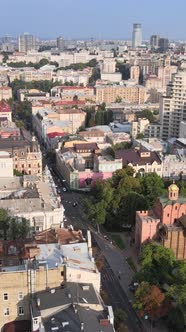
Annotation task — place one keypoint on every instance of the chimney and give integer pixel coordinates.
(89, 242)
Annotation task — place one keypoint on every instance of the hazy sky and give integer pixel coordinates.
(93, 18)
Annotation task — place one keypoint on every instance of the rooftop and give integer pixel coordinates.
(134, 157)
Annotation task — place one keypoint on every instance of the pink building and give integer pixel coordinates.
(167, 211)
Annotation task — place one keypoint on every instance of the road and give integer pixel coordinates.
(116, 274)
(109, 280)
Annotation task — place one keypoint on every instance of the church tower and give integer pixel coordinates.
(173, 192)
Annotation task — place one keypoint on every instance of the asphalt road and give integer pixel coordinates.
(109, 281)
(109, 277)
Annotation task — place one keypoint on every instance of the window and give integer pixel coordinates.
(167, 214)
(6, 312)
(20, 295)
(5, 296)
(176, 208)
(20, 311)
(62, 273)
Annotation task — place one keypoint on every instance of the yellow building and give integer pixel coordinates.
(109, 93)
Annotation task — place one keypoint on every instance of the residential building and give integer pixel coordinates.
(69, 306)
(136, 35)
(31, 94)
(36, 200)
(60, 43)
(174, 165)
(82, 165)
(129, 93)
(163, 45)
(26, 154)
(108, 71)
(182, 132)
(26, 43)
(40, 266)
(5, 93)
(172, 105)
(141, 160)
(73, 93)
(6, 165)
(5, 111)
(165, 223)
(135, 73)
(138, 127)
(154, 41)
(73, 76)
(93, 136)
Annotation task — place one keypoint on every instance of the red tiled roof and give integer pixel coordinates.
(4, 107)
(69, 102)
(76, 87)
(56, 134)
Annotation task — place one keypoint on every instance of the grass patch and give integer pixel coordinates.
(131, 264)
(116, 238)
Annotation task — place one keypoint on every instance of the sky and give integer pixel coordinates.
(100, 19)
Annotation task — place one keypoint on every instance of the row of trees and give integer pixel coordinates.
(13, 228)
(100, 116)
(115, 201)
(162, 290)
(38, 65)
(80, 66)
(45, 86)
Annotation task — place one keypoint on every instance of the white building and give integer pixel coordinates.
(173, 105)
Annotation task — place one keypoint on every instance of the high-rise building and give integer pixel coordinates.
(27, 42)
(60, 43)
(173, 105)
(136, 35)
(163, 44)
(154, 41)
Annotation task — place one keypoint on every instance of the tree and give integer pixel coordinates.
(157, 263)
(18, 229)
(4, 222)
(152, 187)
(120, 317)
(129, 205)
(140, 136)
(149, 300)
(118, 99)
(146, 114)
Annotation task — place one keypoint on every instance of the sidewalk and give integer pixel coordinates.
(117, 261)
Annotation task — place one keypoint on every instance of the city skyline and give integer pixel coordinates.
(82, 21)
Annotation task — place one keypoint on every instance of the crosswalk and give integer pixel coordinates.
(108, 277)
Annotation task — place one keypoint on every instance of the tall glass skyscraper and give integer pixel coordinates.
(136, 35)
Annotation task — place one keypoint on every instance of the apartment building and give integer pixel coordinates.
(52, 259)
(26, 154)
(82, 165)
(35, 200)
(70, 93)
(26, 43)
(5, 111)
(5, 93)
(138, 127)
(109, 93)
(142, 161)
(173, 105)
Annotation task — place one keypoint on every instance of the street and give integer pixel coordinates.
(110, 283)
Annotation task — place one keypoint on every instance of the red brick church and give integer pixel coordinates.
(165, 223)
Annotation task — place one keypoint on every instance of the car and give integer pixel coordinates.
(64, 189)
(106, 237)
(75, 204)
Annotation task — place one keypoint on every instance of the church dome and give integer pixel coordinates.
(173, 187)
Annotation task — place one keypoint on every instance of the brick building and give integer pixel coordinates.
(164, 223)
